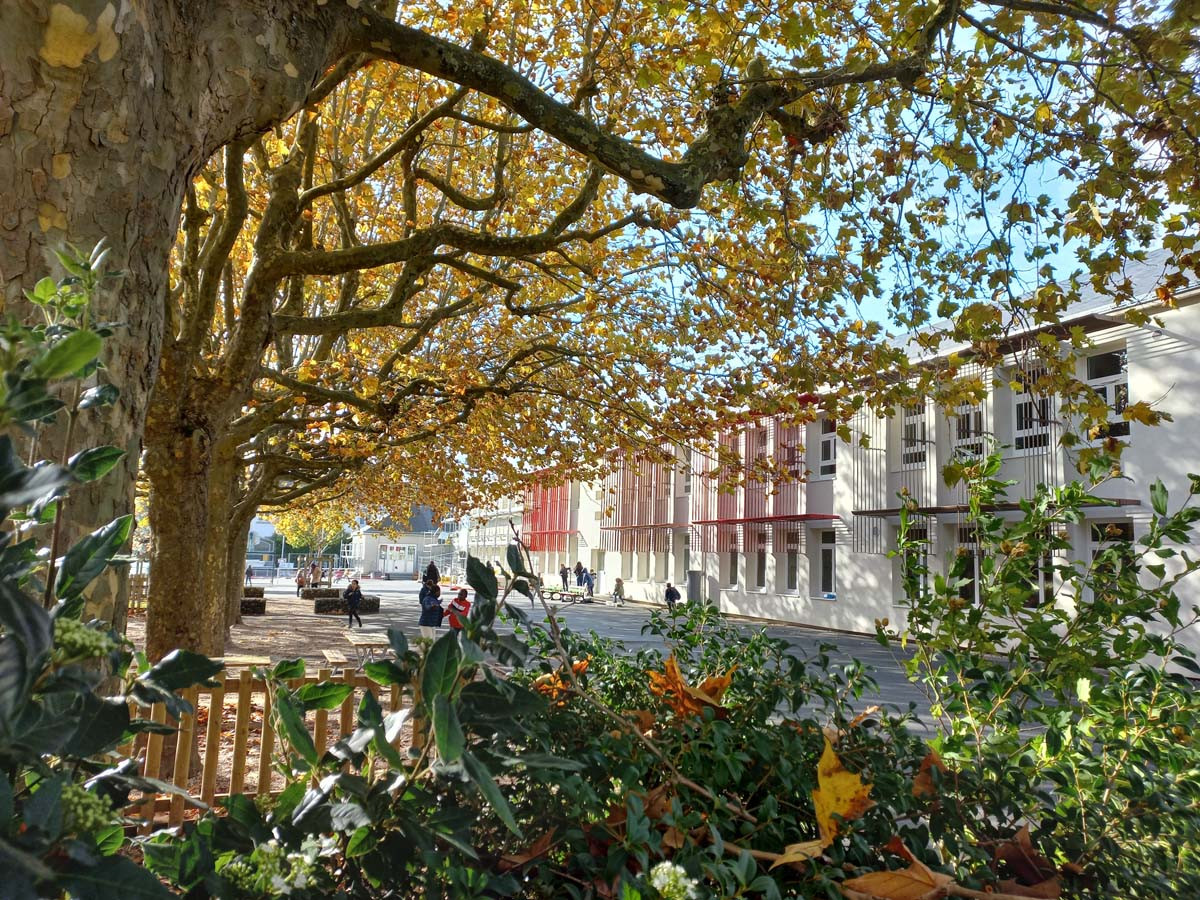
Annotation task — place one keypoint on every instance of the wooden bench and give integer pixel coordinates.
(335, 657)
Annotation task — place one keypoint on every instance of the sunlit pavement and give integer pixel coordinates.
(291, 622)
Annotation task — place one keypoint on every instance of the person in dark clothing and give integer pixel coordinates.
(432, 573)
(353, 597)
(564, 573)
(579, 570)
(249, 575)
(671, 596)
(431, 609)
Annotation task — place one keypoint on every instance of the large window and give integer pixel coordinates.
(760, 569)
(732, 578)
(1108, 376)
(1031, 414)
(912, 438)
(827, 466)
(966, 431)
(827, 564)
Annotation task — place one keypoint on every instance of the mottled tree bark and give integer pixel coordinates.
(106, 110)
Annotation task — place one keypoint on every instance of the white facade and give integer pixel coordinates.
(819, 556)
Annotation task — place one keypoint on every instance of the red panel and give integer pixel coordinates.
(547, 516)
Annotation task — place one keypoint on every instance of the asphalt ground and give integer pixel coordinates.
(290, 628)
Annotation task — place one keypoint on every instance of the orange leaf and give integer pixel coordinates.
(923, 784)
(840, 792)
(917, 882)
(682, 697)
(1050, 889)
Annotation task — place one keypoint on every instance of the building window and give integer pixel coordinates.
(760, 569)
(966, 431)
(733, 567)
(1031, 414)
(793, 570)
(1108, 376)
(827, 565)
(912, 437)
(687, 480)
(827, 467)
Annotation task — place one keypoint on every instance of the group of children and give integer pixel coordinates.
(432, 611)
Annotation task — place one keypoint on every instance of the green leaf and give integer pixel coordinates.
(113, 878)
(69, 355)
(90, 557)
(482, 579)
(100, 725)
(288, 668)
(110, 839)
(291, 720)
(384, 671)
(447, 731)
(399, 642)
(362, 841)
(6, 798)
(441, 668)
(1158, 497)
(94, 463)
(516, 560)
(479, 774)
(325, 695)
(43, 291)
(100, 395)
(182, 668)
(348, 817)
(27, 622)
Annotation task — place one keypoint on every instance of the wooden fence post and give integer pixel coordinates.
(212, 741)
(241, 734)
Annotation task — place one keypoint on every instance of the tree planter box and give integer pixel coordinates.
(335, 605)
(252, 592)
(321, 593)
(254, 606)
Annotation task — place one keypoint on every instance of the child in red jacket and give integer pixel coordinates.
(458, 609)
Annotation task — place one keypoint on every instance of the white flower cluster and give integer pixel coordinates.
(74, 640)
(83, 811)
(672, 882)
(270, 868)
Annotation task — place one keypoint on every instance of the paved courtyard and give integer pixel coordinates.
(290, 629)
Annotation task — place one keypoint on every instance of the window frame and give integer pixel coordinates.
(827, 565)
(1100, 384)
(1033, 438)
(970, 444)
(914, 449)
(827, 452)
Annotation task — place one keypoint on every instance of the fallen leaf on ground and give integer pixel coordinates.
(917, 882)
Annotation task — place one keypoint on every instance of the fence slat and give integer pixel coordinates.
(212, 743)
(185, 741)
(241, 734)
(265, 748)
(321, 719)
(154, 745)
(346, 725)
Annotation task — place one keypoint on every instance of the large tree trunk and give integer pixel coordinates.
(106, 110)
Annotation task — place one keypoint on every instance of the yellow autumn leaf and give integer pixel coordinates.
(917, 882)
(795, 853)
(840, 792)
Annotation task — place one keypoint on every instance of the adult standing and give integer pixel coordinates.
(431, 609)
(249, 574)
(301, 580)
(671, 596)
(432, 573)
(564, 573)
(589, 581)
(578, 574)
(352, 596)
(458, 610)
(314, 574)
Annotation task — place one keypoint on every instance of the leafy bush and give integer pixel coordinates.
(1065, 718)
(62, 786)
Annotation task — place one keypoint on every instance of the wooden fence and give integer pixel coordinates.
(231, 731)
